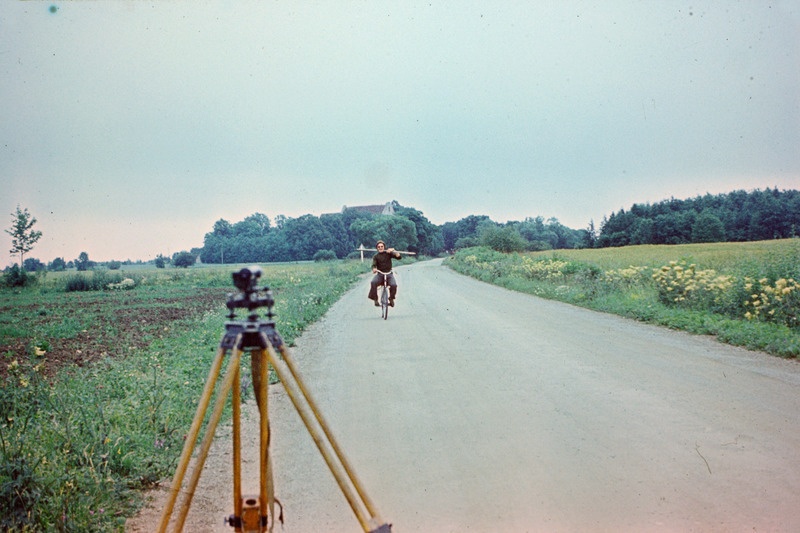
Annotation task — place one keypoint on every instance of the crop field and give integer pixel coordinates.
(756, 259)
(746, 294)
(101, 372)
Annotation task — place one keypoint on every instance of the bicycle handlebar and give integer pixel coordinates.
(384, 273)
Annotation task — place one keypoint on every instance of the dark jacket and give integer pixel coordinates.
(383, 260)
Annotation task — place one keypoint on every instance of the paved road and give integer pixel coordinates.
(478, 409)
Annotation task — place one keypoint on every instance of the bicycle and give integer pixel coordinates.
(383, 294)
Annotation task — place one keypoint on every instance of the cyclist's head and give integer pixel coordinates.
(380, 244)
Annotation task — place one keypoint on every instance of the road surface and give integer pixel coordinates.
(478, 409)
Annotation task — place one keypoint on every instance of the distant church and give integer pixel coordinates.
(385, 209)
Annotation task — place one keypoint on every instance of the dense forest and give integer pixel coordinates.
(735, 216)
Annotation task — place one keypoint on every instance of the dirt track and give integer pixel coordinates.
(478, 409)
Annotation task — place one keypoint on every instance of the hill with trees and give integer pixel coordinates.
(735, 216)
(257, 239)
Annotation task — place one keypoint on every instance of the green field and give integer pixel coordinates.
(746, 294)
(100, 383)
(756, 259)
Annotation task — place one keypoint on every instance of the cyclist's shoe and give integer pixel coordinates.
(391, 302)
(376, 302)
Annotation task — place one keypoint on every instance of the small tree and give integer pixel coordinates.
(82, 262)
(590, 237)
(22, 233)
(184, 259)
(32, 264)
(505, 239)
(16, 277)
(58, 265)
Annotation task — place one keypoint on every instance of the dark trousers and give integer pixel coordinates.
(378, 280)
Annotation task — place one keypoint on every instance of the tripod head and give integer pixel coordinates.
(246, 280)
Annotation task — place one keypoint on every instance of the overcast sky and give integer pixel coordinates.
(128, 128)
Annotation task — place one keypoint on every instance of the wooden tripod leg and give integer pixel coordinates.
(236, 415)
(227, 385)
(188, 446)
(260, 370)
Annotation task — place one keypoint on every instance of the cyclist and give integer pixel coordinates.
(383, 261)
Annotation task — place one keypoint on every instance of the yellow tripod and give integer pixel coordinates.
(255, 513)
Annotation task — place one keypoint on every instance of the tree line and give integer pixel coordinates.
(339, 235)
(336, 235)
(732, 217)
(735, 216)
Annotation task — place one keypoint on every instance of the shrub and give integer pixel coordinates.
(78, 283)
(505, 239)
(184, 259)
(17, 277)
(324, 255)
(542, 269)
(678, 283)
(625, 278)
(778, 302)
(97, 281)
